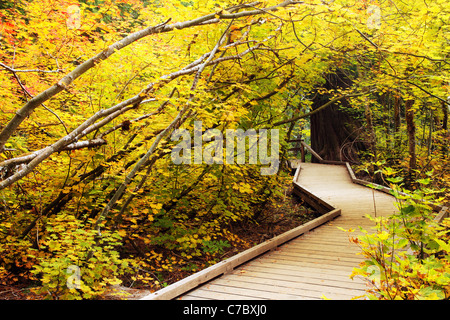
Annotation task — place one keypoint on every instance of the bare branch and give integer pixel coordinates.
(27, 93)
(73, 146)
(329, 103)
(31, 70)
(85, 144)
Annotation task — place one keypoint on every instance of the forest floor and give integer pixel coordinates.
(275, 218)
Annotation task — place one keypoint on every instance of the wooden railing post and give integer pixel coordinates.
(315, 154)
(302, 150)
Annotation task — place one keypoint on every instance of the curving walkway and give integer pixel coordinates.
(317, 264)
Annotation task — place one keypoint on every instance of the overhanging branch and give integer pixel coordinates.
(107, 115)
(68, 79)
(322, 107)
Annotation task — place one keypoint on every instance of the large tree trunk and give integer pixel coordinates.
(397, 122)
(445, 119)
(333, 131)
(411, 129)
(397, 118)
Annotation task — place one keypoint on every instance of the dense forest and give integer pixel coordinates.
(92, 92)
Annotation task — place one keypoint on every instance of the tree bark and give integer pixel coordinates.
(370, 135)
(411, 130)
(397, 121)
(445, 107)
(396, 112)
(334, 132)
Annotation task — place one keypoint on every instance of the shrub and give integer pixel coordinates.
(408, 256)
(79, 263)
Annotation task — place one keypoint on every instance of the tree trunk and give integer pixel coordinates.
(333, 131)
(396, 113)
(397, 122)
(445, 119)
(370, 135)
(411, 130)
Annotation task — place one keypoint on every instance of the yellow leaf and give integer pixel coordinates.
(122, 233)
(114, 281)
(383, 236)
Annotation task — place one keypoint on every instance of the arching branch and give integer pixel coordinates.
(68, 79)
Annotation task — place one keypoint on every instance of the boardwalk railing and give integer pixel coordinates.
(309, 197)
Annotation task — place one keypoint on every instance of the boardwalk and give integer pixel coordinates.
(317, 264)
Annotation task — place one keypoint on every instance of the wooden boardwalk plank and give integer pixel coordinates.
(287, 287)
(296, 277)
(331, 260)
(303, 275)
(318, 265)
(209, 294)
(240, 290)
(279, 266)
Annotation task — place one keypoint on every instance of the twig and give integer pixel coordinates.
(329, 103)
(27, 93)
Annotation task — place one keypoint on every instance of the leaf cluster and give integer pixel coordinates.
(407, 256)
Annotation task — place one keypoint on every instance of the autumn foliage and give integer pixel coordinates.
(91, 92)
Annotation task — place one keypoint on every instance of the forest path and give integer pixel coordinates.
(317, 264)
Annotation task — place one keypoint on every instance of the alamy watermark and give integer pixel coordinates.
(374, 19)
(74, 279)
(238, 144)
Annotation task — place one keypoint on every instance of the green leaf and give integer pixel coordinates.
(408, 210)
(428, 293)
(424, 181)
(395, 180)
(402, 243)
